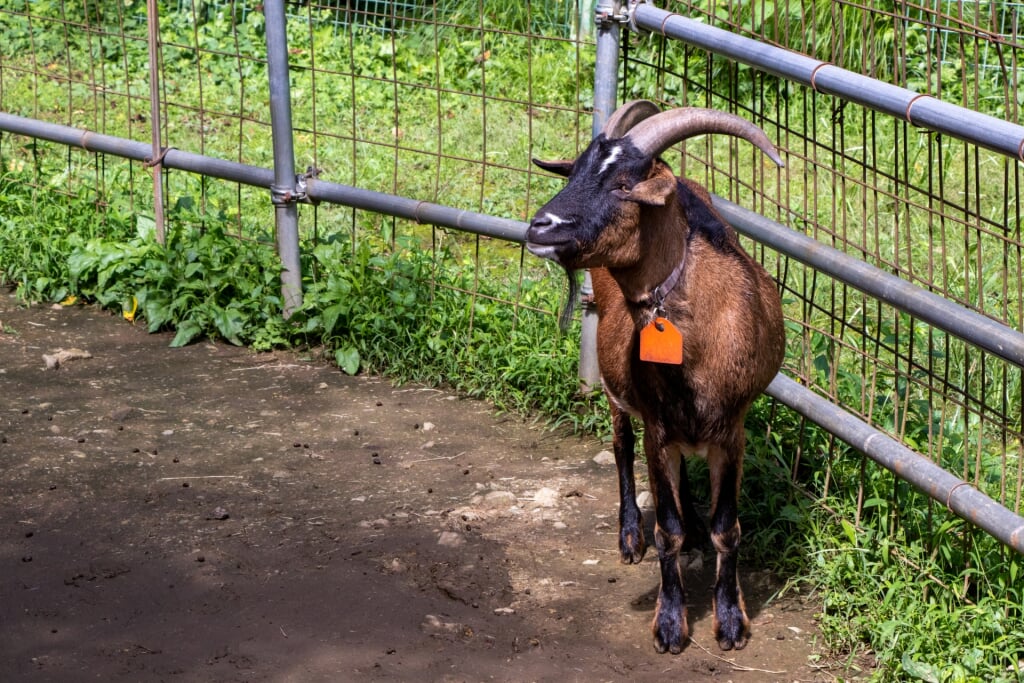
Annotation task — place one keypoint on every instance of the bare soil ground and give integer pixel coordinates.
(213, 514)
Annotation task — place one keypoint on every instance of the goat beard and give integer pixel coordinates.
(565, 318)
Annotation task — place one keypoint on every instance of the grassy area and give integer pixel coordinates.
(896, 574)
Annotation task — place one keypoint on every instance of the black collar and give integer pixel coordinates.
(655, 299)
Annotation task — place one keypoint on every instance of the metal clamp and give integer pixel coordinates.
(296, 193)
(608, 13)
(631, 16)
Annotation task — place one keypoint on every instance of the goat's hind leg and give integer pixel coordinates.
(631, 526)
(696, 533)
(670, 627)
(731, 624)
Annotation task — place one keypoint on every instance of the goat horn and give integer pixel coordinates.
(627, 116)
(656, 134)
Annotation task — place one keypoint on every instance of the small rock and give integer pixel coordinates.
(427, 426)
(451, 539)
(429, 444)
(498, 499)
(433, 624)
(62, 356)
(219, 513)
(77, 454)
(693, 562)
(123, 413)
(374, 523)
(560, 526)
(590, 562)
(604, 458)
(645, 500)
(504, 611)
(547, 498)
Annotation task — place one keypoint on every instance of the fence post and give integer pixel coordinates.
(608, 16)
(156, 161)
(284, 192)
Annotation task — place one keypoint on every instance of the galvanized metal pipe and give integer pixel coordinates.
(284, 190)
(919, 110)
(608, 16)
(959, 496)
(139, 151)
(153, 37)
(985, 333)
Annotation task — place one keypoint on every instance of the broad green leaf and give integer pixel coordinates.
(187, 331)
(920, 670)
(348, 360)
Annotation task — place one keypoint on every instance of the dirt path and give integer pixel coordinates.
(211, 514)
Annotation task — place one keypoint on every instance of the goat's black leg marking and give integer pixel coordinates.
(731, 625)
(696, 533)
(631, 528)
(670, 628)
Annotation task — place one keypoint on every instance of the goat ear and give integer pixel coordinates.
(562, 168)
(655, 191)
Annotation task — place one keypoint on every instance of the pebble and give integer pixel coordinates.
(605, 458)
(645, 500)
(427, 426)
(451, 539)
(546, 497)
(219, 513)
(504, 611)
(433, 624)
(497, 499)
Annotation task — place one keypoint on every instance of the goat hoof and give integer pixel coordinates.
(632, 546)
(671, 633)
(671, 644)
(726, 644)
(733, 636)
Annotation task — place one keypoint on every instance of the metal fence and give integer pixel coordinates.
(900, 260)
(890, 173)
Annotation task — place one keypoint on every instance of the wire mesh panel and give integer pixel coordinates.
(935, 211)
(442, 102)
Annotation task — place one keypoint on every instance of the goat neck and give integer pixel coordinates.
(660, 259)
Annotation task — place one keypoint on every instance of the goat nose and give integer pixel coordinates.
(544, 222)
(541, 222)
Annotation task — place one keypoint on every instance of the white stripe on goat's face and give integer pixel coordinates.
(555, 220)
(612, 156)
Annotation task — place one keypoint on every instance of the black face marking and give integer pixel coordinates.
(571, 222)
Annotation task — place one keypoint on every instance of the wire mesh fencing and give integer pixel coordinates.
(938, 212)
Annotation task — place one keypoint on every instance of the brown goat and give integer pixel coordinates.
(661, 257)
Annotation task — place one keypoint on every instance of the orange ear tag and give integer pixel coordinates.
(661, 346)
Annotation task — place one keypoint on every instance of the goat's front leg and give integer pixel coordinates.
(731, 625)
(631, 528)
(671, 631)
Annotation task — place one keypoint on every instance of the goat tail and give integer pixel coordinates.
(565, 317)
